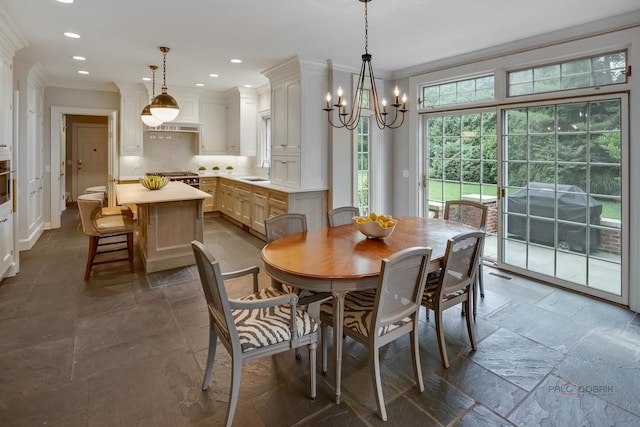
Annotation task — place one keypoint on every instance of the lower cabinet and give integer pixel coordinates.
(208, 185)
(259, 209)
(242, 203)
(226, 198)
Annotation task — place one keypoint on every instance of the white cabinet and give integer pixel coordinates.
(242, 122)
(299, 129)
(188, 104)
(131, 125)
(285, 117)
(6, 108)
(213, 134)
(285, 170)
(6, 238)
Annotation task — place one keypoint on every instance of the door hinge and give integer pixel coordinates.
(424, 181)
(629, 71)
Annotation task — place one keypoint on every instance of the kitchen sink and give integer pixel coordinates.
(255, 179)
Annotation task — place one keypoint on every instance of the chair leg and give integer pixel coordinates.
(236, 363)
(323, 337)
(480, 279)
(441, 343)
(130, 250)
(312, 368)
(470, 330)
(374, 363)
(93, 248)
(210, 358)
(415, 353)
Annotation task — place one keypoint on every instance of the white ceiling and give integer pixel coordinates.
(121, 38)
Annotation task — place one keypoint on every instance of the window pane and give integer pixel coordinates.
(459, 92)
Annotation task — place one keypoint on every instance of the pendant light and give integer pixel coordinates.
(146, 116)
(164, 106)
(360, 101)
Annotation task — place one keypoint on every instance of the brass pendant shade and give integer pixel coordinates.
(146, 116)
(164, 107)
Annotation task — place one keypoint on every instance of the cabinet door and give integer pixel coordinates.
(6, 101)
(188, 108)
(232, 146)
(208, 185)
(242, 204)
(226, 198)
(278, 203)
(6, 238)
(285, 116)
(285, 170)
(213, 133)
(131, 125)
(259, 210)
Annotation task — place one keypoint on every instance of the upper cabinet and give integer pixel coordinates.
(130, 123)
(188, 103)
(213, 134)
(6, 102)
(299, 129)
(242, 120)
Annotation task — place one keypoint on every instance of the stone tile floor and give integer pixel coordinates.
(129, 349)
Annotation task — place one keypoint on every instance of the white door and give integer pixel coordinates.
(92, 156)
(62, 176)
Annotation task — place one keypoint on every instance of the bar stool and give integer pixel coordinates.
(97, 226)
(108, 210)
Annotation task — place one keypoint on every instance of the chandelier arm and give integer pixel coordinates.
(380, 116)
(393, 125)
(329, 110)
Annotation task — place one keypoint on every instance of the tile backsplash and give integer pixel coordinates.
(174, 151)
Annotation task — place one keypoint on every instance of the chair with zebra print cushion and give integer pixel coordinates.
(376, 319)
(262, 324)
(454, 283)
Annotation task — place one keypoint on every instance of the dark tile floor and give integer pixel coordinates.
(128, 349)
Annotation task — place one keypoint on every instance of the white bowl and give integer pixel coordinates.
(373, 229)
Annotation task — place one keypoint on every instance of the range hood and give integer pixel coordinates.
(174, 127)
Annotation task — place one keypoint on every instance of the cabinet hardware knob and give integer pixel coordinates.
(4, 220)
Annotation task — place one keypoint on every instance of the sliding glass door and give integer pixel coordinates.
(562, 176)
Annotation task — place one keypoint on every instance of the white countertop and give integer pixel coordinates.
(172, 192)
(268, 184)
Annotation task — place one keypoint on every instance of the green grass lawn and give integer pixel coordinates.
(453, 191)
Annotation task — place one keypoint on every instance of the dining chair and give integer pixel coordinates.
(452, 285)
(475, 215)
(283, 225)
(104, 230)
(342, 215)
(261, 324)
(376, 319)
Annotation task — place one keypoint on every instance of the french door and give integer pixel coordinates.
(554, 177)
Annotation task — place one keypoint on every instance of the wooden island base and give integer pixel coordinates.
(168, 220)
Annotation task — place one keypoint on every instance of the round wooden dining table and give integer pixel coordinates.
(341, 259)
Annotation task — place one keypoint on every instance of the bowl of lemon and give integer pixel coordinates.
(154, 182)
(375, 226)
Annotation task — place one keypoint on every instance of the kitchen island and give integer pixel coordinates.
(168, 220)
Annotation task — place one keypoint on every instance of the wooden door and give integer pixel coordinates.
(92, 157)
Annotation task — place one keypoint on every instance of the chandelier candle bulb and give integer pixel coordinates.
(328, 99)
(396, 92)
(404, 101)
(384, 105)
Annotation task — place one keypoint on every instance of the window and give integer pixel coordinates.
(362, 165)
(458, 92)
(265, 139)
(588, 72)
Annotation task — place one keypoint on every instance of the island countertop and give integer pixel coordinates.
(174, 191)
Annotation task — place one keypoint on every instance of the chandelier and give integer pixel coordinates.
(164, 106)
(146, 116)
(364, 97)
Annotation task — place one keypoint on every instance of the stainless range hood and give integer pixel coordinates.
(175, 127)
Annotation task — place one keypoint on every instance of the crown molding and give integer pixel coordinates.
(11, 39)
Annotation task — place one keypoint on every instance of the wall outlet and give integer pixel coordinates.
(405, 173)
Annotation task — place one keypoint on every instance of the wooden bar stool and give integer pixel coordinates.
(108, 210)
(97, 226)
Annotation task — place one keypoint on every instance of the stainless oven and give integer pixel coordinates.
(5, 181)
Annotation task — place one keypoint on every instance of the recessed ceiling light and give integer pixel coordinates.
(248, 85)
(199, 84)
(146, 79)
(214, 75)
(79, 58)
(65, 1)
(236, 61)
(72, 35)
(83, 72)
